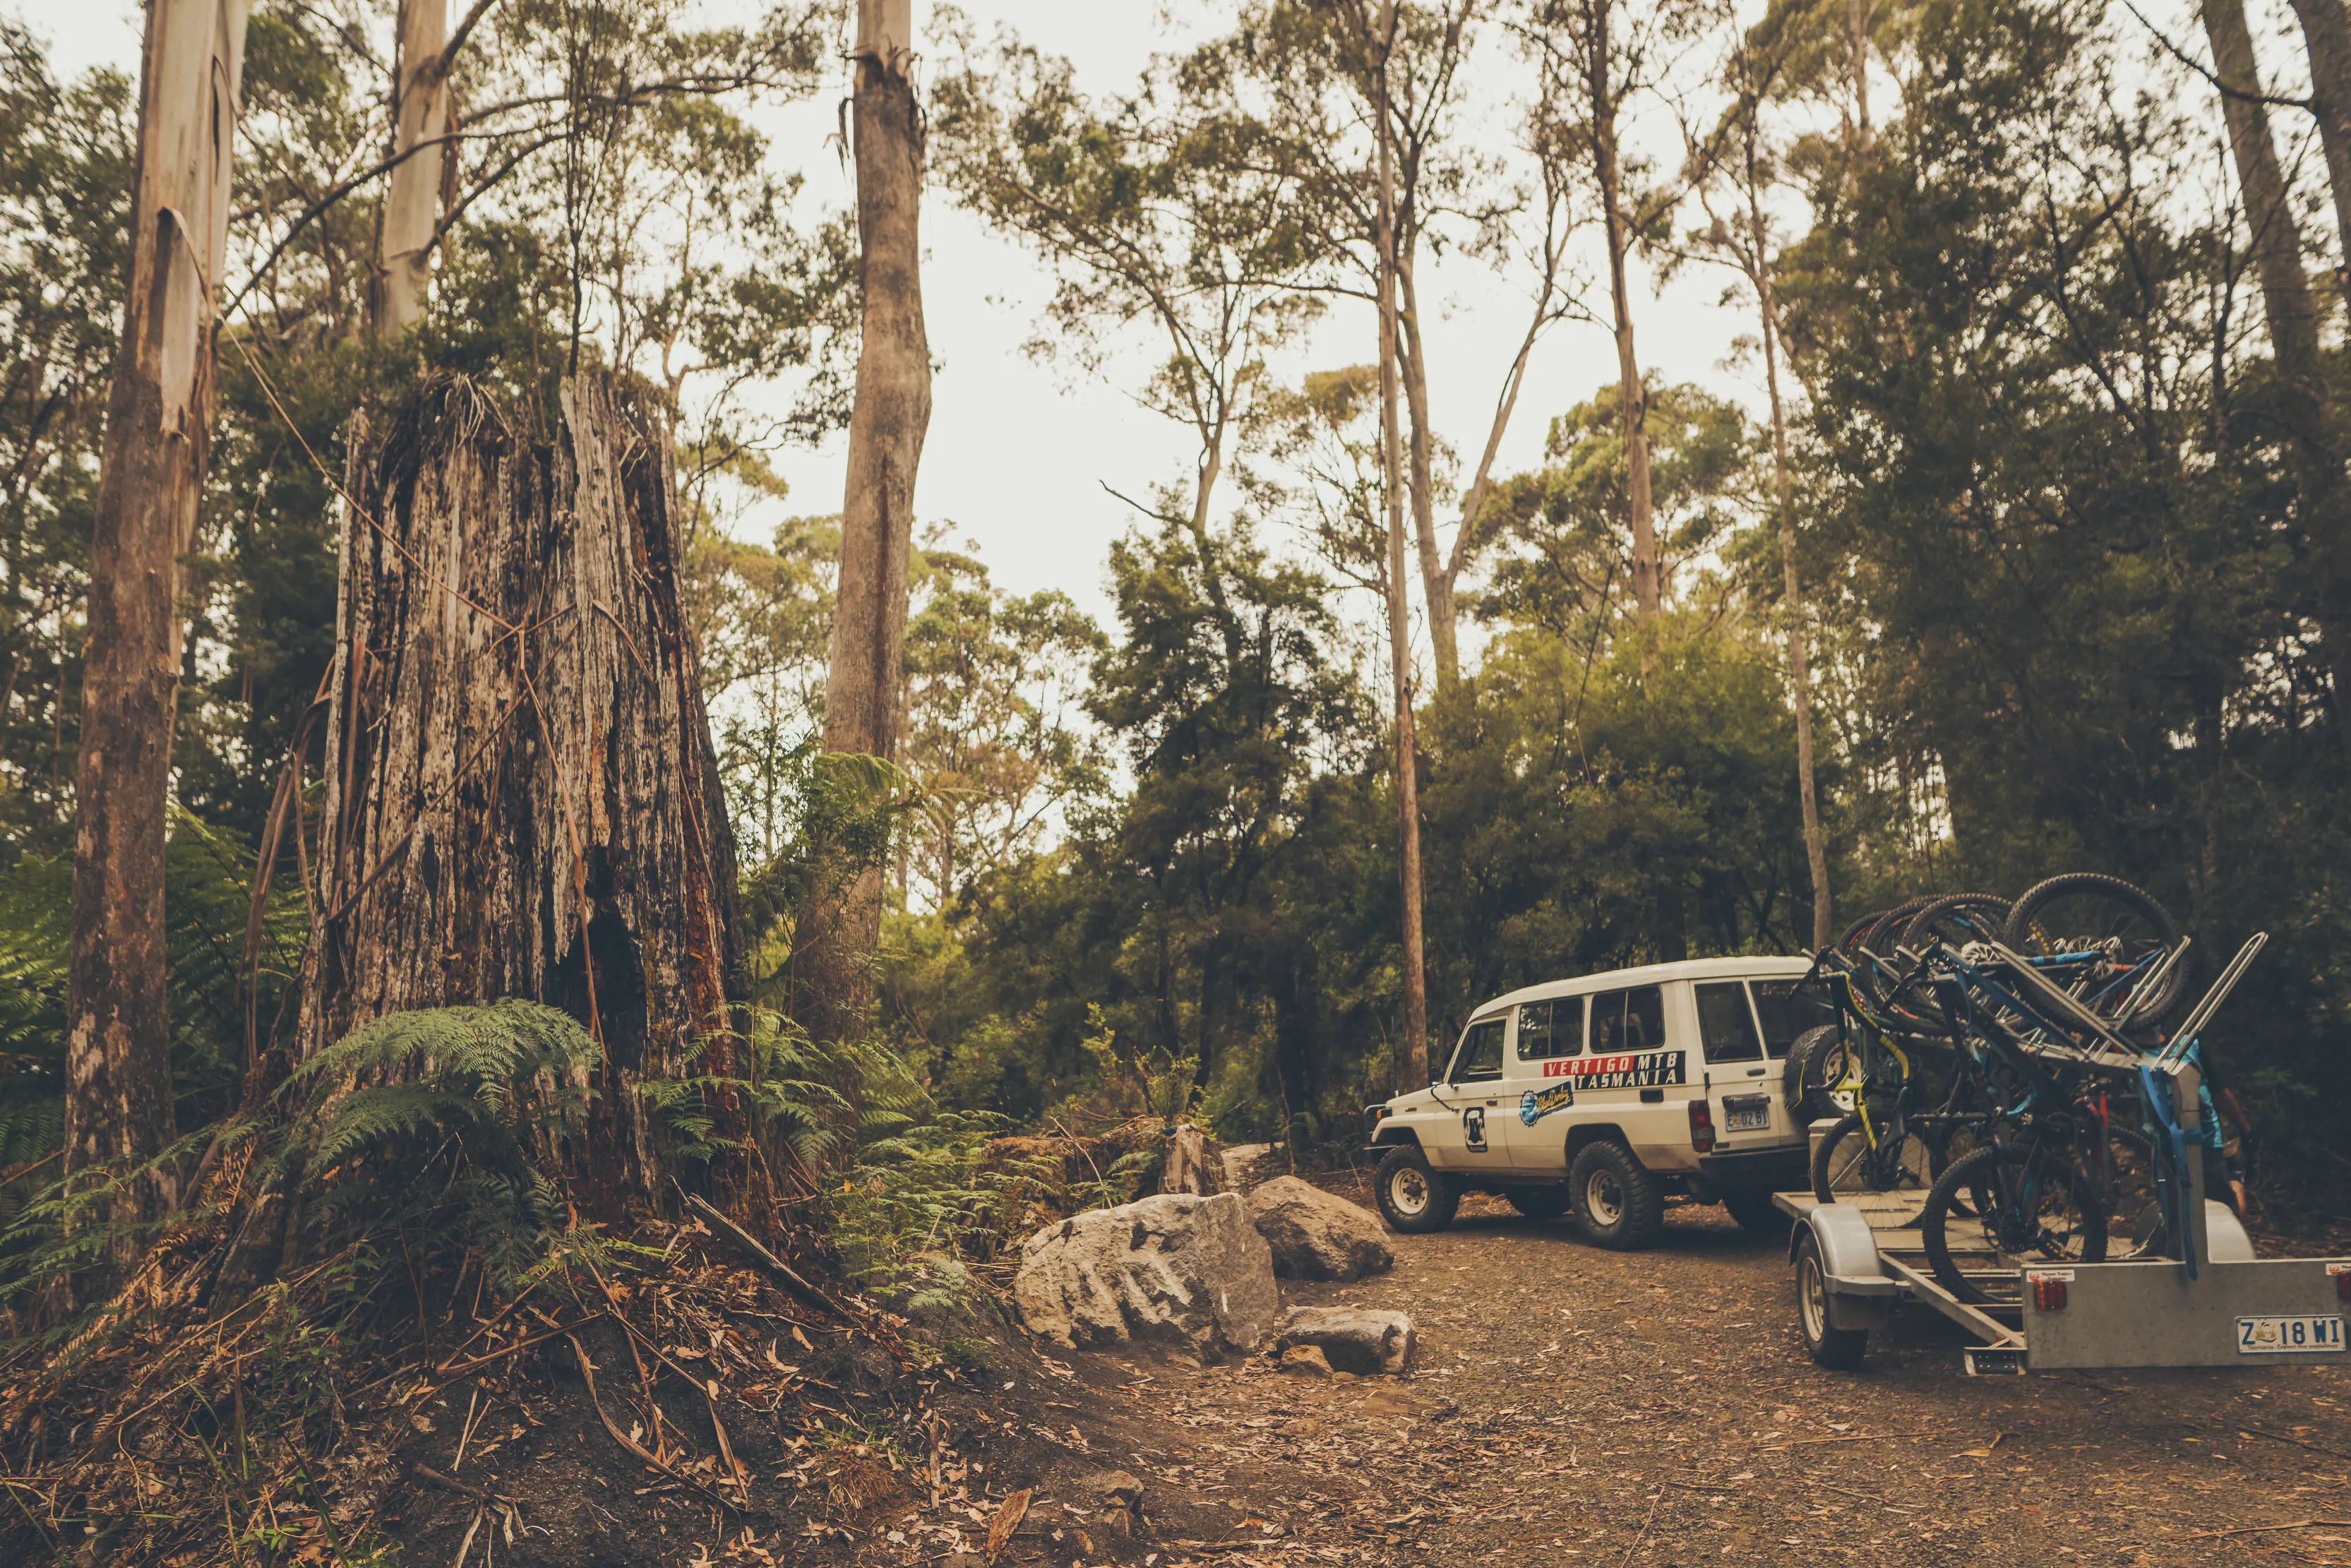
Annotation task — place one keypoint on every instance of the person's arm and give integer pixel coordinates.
(2226, 1098)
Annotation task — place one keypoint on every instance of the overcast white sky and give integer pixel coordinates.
(1018, 454)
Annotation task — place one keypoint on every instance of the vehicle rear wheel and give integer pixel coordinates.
(1617, 1203)
(1412, 1197)
(1756, 1213)
(1828, 1345)
(1537, 1202)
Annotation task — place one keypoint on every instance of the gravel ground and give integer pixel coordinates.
(1571, 1404)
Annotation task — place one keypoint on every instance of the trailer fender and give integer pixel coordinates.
(1859, 1291)
(2225, 1240)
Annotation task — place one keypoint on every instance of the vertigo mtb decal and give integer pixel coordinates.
(1647, 1070)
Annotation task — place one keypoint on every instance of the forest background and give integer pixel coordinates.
(2056, 459)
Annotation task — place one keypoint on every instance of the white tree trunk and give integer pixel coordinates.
(412, 207)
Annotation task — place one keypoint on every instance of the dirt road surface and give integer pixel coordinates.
(1574, 1406)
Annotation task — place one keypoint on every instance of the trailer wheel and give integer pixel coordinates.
(1828, 1345)
(1412, 1197)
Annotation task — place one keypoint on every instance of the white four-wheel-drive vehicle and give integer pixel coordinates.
(1603, 1095)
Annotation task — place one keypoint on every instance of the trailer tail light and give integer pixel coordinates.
(1701, 1118)
(2048, 1295)
(2341, 1272)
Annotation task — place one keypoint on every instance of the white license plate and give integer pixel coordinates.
(1746, 1116)
(2284, 1336)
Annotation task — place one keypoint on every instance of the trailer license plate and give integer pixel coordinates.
(1746, 1112)
(2284, 1336)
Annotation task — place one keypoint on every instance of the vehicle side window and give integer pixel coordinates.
(1479, 1060)
(1552, 1028)
(1628, 1020)
(1786, 1013)
(1725, 1026)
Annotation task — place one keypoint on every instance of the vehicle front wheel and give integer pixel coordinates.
(1412, 1197)
(1537, 1202)
(1828, 1345)
(1756, 1213)
(1617, 1203)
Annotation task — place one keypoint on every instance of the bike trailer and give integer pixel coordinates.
(2211, 1303)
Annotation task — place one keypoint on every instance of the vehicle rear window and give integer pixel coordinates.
(1480, 1058)
(1552, 1028)
(1786, 1013)
(1631, 1019)
(1725, 1026)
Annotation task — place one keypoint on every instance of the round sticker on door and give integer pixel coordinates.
(1534, 1105)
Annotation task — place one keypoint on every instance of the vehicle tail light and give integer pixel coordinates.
(2342, 1285)
(1701, 1126)
(2048, 1295)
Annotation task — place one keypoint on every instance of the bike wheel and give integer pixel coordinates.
(2027, 1209)
(2101, 939)
(1880, 935)
(1956, 921)
(1848, 1166)
(2135, 1226)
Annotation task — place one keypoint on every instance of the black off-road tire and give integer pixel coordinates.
(1801, 1088)
(1756, 1213)
(1413, 1198)
(1618, 1202)
(1840, 1349)
(1537, 1202)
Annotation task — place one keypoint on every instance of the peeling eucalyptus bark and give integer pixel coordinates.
(119, 1106)
(522, 797)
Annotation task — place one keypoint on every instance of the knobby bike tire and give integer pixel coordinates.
(1961, 918)
(1988, 1177)
(2026, 934)
(1843, 1165)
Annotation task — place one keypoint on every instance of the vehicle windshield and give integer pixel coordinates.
(1479, 1057)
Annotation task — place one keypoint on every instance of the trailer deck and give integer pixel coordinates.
(2231, 1309)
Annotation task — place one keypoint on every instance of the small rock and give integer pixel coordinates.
(1306, 1358)
(1117, 1498)
(1176, 1267)
(1315, 1235)
(1349, 1339)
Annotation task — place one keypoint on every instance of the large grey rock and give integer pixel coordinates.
(1352, 1339)
(1316, 1236)
(1176, 1267)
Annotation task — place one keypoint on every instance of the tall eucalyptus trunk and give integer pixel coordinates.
(412, 205)
(1632, 397)
(119, 1105)
(838, 933)
(2327, 33)
(1414, 1067)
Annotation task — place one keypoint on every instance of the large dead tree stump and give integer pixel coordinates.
(522, 798)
